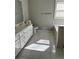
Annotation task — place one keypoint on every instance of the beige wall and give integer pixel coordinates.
(36, 7)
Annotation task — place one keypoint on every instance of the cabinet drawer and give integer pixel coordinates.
(22, 33)
(17, 36)
(22, 43)
(26, 38)
(22, 37)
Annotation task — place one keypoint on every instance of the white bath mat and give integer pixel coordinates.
(43, 41)
(37, 47)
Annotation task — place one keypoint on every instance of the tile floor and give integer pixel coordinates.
(48, 53)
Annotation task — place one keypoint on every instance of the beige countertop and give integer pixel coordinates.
(20, 28)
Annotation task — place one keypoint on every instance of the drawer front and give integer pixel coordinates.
(21, 33)
(22, 43)
(22, 37)
(27, 35)
(26, 38)
(17, 36)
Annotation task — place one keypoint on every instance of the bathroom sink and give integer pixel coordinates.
(19, 27)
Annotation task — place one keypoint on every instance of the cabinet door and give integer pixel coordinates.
(26, 37)
(17, 47)
(22, 39)
(22, 43)
(21, 33)
(17, 36)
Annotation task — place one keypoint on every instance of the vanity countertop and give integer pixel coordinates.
(20, 28)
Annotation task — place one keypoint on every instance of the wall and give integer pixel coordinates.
(36, 7)
(36, 10)
(18, 12)
(25, 9)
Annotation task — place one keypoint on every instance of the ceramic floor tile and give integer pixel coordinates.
(42, 34)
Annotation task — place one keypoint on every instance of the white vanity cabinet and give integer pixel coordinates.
(22, 37)
(25, 35)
